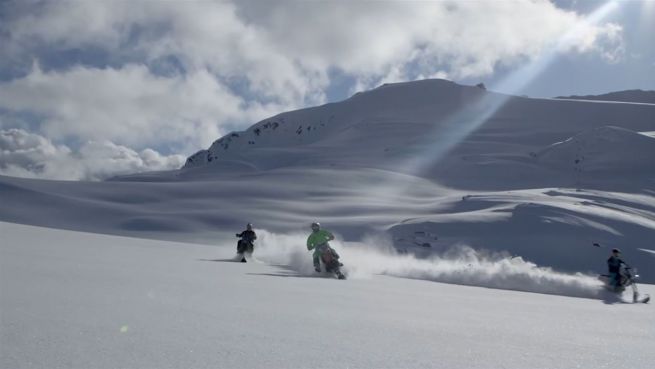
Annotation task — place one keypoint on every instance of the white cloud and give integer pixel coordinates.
(467, 38)
(27, 154)
(284, 50)
(203, 35)
(230, 64)
(610, 44)
(129, 105)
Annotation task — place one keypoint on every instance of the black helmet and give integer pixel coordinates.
(616, 251)
(249, 226)
(316, 226)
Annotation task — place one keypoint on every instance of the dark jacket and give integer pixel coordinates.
(614, 264)
(248, 236)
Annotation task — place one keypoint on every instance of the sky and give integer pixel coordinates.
(92, 89)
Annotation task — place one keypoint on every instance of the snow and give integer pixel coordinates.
(539, 178)
(607, 149)
(86, 300)
(472, 226)
(385, 127)
(634, 96)
(553, 227)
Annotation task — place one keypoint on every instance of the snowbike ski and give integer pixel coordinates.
(627, 278)
(330, 260)
(244, 249)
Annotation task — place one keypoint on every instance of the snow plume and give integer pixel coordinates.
(286, 250)
(459, 265)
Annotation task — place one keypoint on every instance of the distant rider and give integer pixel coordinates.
(614, 267)
(318, 241)
(246, 243)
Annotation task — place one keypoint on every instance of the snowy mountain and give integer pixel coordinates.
(538, 178)
(389, 127)
(606, 150)
(510, 204)
(635, 96)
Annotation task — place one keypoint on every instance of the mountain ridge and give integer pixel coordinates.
(634, 96)
(464, 165)
(429, 128)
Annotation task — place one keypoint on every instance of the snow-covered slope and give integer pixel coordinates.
(551, 226)
(610, 150)
(79, 300)
(460, 136)
(459, 163)
(635, 96)
(514, 203)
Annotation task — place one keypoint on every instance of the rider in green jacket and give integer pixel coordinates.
(318, 238)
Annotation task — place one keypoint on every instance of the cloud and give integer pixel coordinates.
(610, 44)
(177, 75)
(25, 154)
(284, 50)
(408, 39)
(129, 105)
(205, 35)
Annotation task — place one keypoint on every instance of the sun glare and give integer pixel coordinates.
(454, 129)
(647, 13)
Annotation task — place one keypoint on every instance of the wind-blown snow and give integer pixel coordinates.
(460, 265)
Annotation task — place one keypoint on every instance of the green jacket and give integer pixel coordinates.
(318, 238)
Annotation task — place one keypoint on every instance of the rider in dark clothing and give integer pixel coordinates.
(614, 267)
(246, 242)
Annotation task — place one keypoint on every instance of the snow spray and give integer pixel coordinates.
(375, 255)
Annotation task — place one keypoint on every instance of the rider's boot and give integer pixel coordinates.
(317, 263)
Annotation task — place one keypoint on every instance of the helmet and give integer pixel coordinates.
(316, 226)
(616, 251)
(249, 226)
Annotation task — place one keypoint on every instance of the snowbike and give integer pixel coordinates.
(330, 260)
(244, 248)
(627, 278)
